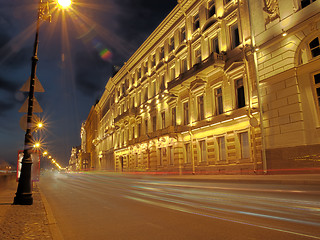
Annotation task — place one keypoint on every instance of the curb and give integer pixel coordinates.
(54, 229)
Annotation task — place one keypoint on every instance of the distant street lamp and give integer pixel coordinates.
(24, 190)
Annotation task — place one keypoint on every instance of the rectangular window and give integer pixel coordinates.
(222, 149)
(154, 88)
(240, 98)
(186, 113)
(183, 34)
(146, 125)
(174, 116)
(171, 44)
(244, 143)
(162, 53)
(315, 47)
(139, 73)
(317, 87)
(184, 66)
(153, 61)
(235, 38)
(163, 120)
(172, 73)
(203, 151)
(200, 108)
(160, 157)
(139, 130)
(196, 22)
(211, 8)
(197, 55)
(171, 159)
(145, 68)
(146, 94)
(133, 133)
(215, 45)
(218, 101)
(154, 123)
(187, 148)
(162, 83)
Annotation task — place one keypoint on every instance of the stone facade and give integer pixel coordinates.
(191, 98)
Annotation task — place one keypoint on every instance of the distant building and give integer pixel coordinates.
(74, 163)
(223, 86)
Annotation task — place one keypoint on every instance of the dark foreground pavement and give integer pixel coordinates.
(37, 221)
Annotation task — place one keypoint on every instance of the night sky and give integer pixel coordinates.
(77, 52)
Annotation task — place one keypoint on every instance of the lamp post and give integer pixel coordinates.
(24, 190)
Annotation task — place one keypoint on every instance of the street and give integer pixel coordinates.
(116, 206)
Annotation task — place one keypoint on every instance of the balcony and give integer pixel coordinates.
(131, 112)
(213, 61)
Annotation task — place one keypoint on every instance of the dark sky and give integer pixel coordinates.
(70, 68)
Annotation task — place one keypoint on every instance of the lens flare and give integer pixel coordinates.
(64, 3)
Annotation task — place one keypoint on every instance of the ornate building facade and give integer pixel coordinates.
(198, 96)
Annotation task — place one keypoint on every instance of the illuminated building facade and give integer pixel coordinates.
(188, 100)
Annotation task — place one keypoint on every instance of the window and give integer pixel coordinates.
(227, 1)
(162, 83)
(187, 148)
(211, 8)
(315, 47)
(200, 108)
(197, 55)
(196, 22)
(133, 133)
(171, 44)
(184, 66)
(146, 125)
(244, 144)
(139, 129)
(162, 52)
(139, 73)
(235, 39)
(145, 68)
(186, 113)
(222, 148)
(218, 101)
(171, 158)
(172, 73)
(163, 120)
(154, 88)
(161, 152)
(203, 151)
(240, 98)
(174, 116)
(183, 34)
(153, 62)
(146, 94)
(215, 45)
(305, 3)
(317, 87)
(154, 123)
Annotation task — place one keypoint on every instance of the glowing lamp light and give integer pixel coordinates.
(36, 145)
(64, 3)
(40, 125)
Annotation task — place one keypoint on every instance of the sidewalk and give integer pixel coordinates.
(22, 222)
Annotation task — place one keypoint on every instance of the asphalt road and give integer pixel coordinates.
(112, 206)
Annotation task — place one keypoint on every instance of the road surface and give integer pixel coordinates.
(115, 206)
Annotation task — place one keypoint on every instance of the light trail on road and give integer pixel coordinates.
(196, 210)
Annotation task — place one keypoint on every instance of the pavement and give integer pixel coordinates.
(37, 221)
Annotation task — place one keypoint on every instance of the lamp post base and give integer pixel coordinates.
(23, 199)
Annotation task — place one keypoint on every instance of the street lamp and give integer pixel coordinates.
(24, 190)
